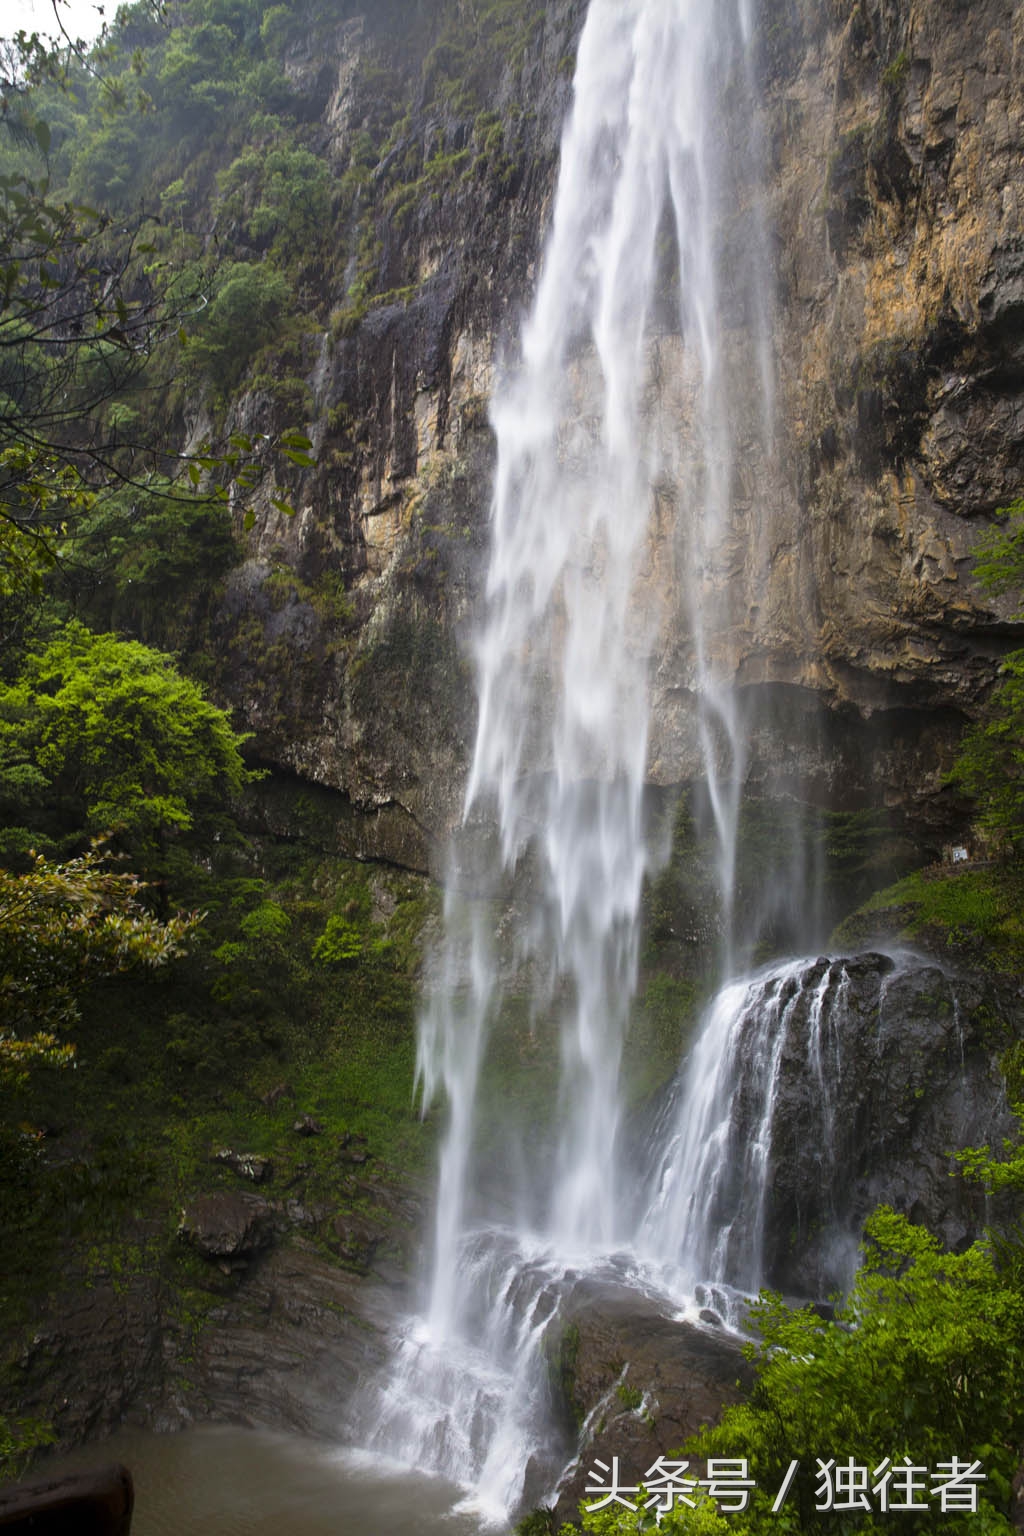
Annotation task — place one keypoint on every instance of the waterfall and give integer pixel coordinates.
(712, 1153)
(592, 469)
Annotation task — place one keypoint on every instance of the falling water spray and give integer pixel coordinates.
(586, 458)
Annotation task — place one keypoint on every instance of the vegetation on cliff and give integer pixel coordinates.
(63, 926)
(990, 765)
(921, 1364)
(974, 912)
(862, 1416)
(99, 736)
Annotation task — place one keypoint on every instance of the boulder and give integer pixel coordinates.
(95, 1503)
(228, 1227)
(639, 1380)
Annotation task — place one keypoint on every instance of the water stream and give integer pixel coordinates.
(711, 1153)
(592, 466)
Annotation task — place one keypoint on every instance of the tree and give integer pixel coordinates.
(101, 735)
(84, 315)
(990, 763)
(243, 317)
(283, 193)
(63, 926)
(144, 561)
(87, 307)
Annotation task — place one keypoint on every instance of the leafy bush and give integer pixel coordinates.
(340, 943)
(116, 739)
(61, 927)
(924, 1362)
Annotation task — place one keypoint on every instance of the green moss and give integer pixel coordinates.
(1012, 1067)
(416, 656)
(665, 1014)
(562, 1355)
(979, 911)
(290, 393)
(327, 596)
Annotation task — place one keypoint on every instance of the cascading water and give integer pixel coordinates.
(712, 1151)
(590, 467)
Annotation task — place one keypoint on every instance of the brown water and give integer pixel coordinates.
(237, 1482)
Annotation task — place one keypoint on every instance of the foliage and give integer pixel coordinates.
(63, 926)
(79, 323)
(144, 554)
(340, 942)
(86, 311)
(196, 110)
(20, 1438)
(990, 764)
(99, 734)
(999, 555)
(702, 1520)
(282, 194)
(166, 1072)
(925, 1360)
(242, 317)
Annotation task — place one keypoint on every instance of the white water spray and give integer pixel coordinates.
(589, 470)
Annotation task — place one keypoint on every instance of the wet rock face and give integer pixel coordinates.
(276, 1333)
(342, 638)
(893, 187)
(911, 1074)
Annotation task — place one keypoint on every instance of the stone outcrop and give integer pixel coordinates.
(342, 637)
(229, 1227)
(273, 1331)
(895, 182)
(640, 1381)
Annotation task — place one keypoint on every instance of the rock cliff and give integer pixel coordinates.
(891, 207)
